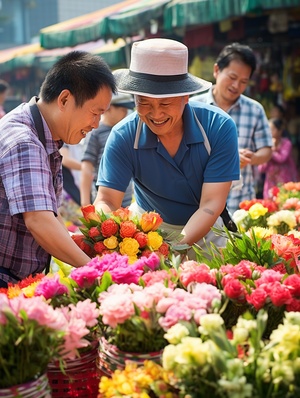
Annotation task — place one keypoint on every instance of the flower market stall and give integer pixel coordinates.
(142, 320)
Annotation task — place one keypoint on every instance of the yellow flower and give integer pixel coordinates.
(259, 232)
(175, 334)
(154, 240)
(129, 247)
(257, 210)
(111, 242)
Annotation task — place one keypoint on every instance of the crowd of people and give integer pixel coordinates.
(152, 137)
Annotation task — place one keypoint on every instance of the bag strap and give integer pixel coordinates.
(38, 122)
(37, 118)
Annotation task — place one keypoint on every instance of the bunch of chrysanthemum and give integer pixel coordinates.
(148, 380)
(241, 364)
(33, 333)
(120, 231)
(135, 318)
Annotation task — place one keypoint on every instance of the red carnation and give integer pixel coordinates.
(141, 238)
(109, 228)
(127, 229)
(234, 289)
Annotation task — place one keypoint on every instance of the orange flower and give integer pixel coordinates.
(127, 229)
(150, 221)
(123, 213)
(109, 227)
(89, 213)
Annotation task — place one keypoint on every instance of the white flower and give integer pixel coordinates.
(175, 334)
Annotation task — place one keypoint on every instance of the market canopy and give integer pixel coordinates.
(33, 55)
(188, 13)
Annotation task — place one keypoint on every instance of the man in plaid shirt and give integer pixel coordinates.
(233, 69)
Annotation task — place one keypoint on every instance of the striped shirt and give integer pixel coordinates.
(30, 180)
(253, 133)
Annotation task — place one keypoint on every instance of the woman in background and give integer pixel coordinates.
(281, 167)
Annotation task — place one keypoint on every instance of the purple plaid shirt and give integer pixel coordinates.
(30, 180)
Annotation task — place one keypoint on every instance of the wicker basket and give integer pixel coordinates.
(81, 378)
(38, 388)
(111, 358)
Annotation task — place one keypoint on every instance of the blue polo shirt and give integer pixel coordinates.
(171, 186)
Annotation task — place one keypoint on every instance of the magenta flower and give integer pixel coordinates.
(50, 287)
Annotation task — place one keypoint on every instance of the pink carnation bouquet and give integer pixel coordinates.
(33, 333)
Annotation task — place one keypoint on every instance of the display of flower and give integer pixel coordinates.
(135, 318)
(246, 286)
(282, 192)
(258, 245)
(237, 365)
(146, 381)
(33, 333)
(122, 232)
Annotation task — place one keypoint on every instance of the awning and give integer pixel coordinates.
(114, 53)
(89, 27)
(188, 13)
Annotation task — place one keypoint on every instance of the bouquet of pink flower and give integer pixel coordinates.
(33, 333)
(135, 318)
(121, 232)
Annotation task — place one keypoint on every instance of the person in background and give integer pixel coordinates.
(94, 146)
(232, 71)
(176, 154)
(4, 89)
(76, 91)
(281, 167)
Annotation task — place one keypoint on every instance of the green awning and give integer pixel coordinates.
(187, 13)
(132, 20)
(88, 27)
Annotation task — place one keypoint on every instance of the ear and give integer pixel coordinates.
(63, 99)
(216, 71)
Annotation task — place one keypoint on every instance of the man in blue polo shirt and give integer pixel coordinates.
(181, 157)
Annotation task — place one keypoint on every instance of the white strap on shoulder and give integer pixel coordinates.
(206, 142)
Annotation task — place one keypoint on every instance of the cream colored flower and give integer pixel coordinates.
(210, 322)
(175, 334)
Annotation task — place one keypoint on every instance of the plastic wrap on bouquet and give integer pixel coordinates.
(38, 388)
(111, 358)
(81, 378)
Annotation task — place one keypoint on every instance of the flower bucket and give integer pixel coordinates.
(111, 358)
(81, 378)
(38, 388)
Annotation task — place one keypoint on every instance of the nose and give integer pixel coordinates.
(96, 121)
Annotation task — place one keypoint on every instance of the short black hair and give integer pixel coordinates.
(236, 51)
(278, 123)
(80, 72)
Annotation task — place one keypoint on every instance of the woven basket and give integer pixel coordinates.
(38, 388)
(111, 358)
(81, 379)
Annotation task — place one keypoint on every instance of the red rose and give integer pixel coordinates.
(78, 239)
(127, 229)
(109, 228)
(142, 239)
(99, 247)
(94, 232)
(164, 249)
